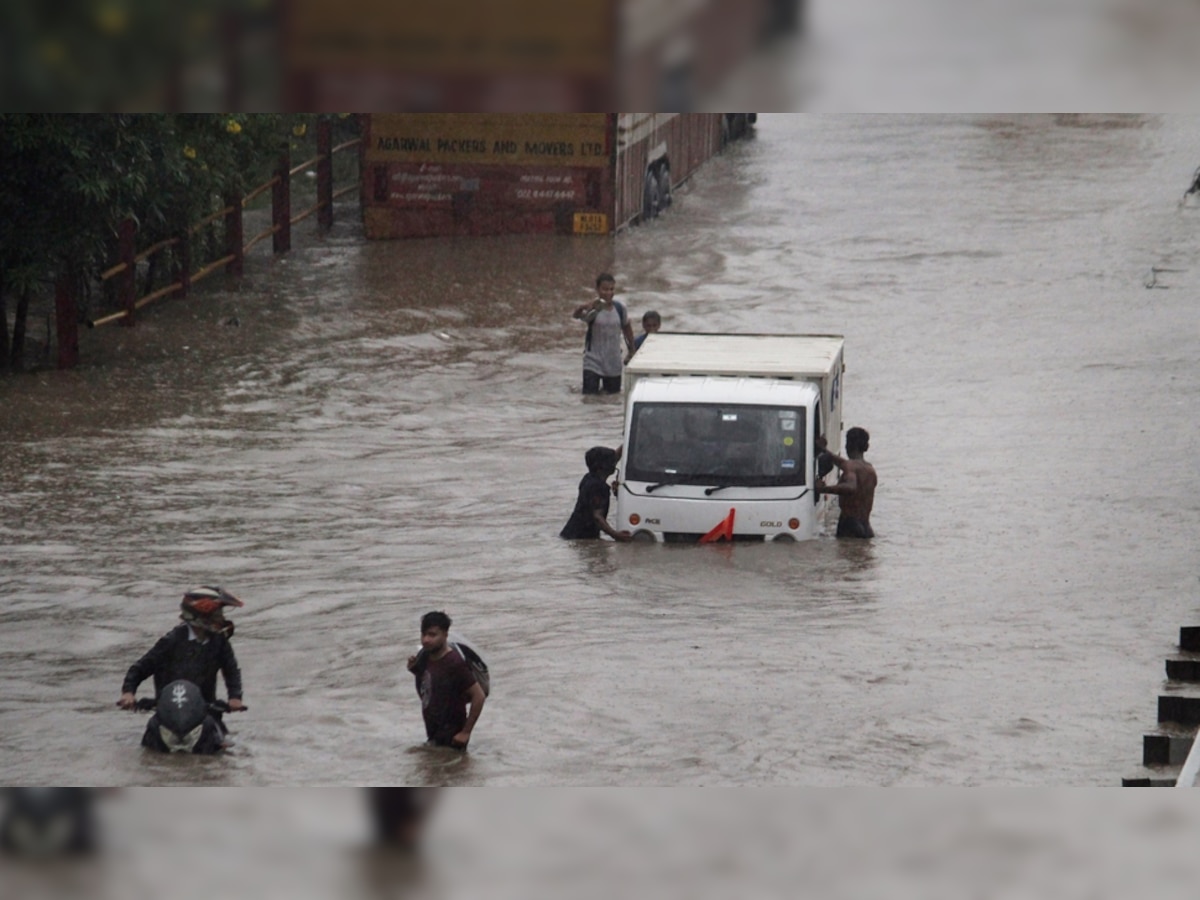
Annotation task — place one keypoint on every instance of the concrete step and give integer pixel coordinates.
(1149, 780)
(1181, 709)
(1185, 667)
(1153, 774)
(1162, 749)
(1189, 638)
(1164, 752)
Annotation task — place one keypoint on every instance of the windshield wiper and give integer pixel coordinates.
(708, 492)
(655, 487)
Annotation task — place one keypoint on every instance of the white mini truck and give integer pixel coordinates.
(719, 432)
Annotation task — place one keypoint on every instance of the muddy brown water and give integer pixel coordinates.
(397, 427)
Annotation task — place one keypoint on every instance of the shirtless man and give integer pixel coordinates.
(855, 487)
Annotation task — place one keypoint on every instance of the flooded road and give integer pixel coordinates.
(397, 427)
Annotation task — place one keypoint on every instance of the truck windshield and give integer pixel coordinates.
(700, 443)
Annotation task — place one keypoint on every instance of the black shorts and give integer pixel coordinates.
(592, 381)
(848, 526)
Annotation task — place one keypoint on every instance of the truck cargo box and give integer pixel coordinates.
(719, 435)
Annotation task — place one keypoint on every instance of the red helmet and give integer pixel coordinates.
(204, 607)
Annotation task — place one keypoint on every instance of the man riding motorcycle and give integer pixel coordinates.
(193, 651)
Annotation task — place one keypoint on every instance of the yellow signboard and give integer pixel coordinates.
(541, 139)
(591, 223)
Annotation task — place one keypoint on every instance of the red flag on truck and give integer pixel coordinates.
(723, 530)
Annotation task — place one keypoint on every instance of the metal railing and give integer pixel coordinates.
(235, 245)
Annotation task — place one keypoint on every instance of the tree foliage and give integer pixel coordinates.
(119, 55)
(67, 181)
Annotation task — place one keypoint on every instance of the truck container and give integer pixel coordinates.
(719, 435)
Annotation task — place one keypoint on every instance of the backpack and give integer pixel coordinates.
(478, 667)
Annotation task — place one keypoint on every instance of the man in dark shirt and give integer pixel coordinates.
(446, 685)
(590, 516)
(193, 651)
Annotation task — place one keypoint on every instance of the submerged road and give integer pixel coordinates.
(396, 427)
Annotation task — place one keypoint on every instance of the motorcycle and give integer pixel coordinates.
(183, 721)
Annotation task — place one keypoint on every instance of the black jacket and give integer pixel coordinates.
(175, 657)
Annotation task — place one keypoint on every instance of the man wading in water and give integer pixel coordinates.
(607, 323)
(446, 685)
(856, 485)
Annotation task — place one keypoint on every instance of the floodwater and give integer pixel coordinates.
(397, 427)
(674, 843)
(934, 55)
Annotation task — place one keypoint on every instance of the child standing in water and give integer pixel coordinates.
(607, 324)
(590, 516)
(651, 323)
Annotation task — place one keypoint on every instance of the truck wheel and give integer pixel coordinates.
(664, 187)
(651, 199)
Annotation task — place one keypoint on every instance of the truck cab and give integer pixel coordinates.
(719, 436)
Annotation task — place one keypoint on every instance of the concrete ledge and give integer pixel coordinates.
(1183, 669)
(1147, 781)
(1181, 708)
(1165, 749)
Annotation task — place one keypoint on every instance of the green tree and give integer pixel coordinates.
(68, 181)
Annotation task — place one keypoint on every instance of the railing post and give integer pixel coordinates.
(281, 203)
(3, 326)
(16, 359)
(185, 262)
(233, 235)
(67, 320)
(324, 172)
(126, 285)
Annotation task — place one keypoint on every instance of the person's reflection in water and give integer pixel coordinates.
(394, 864)
(858, 557)
(49, 844)
(51, 822)
(398, 816)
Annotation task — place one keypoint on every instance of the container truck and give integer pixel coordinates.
(719, 435)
